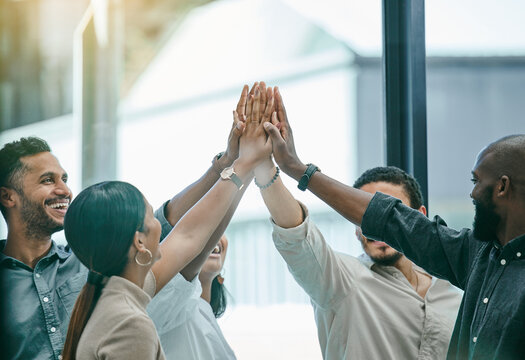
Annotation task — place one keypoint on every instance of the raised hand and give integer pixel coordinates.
(280, 132)
(255, 146)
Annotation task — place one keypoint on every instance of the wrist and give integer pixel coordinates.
(243, 168)
(294, 169)
(264, 172)
(225, 161)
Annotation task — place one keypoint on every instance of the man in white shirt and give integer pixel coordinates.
(377, 306)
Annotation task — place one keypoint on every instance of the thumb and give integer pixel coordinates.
(238, 124)
(273, 132)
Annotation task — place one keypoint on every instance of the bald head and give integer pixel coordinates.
(506, 156)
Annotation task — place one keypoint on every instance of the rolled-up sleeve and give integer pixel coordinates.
(164, 223)
(313, 263)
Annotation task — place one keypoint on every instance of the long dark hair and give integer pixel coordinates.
(218, 297)
(100, 225)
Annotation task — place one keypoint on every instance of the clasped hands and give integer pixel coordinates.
(260, 128)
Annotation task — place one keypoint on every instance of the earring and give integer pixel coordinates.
(220, 279)
(149, 261)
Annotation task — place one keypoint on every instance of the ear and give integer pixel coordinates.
(503, 186)
(138, 241)
(423, 210)
(8, 197)
(359, 234)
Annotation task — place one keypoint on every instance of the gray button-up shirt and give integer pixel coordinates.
(37, 303)
(364, 310)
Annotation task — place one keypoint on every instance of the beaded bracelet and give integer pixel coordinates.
(262, 187)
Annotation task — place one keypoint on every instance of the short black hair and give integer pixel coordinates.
(11, 168)
(393, 175)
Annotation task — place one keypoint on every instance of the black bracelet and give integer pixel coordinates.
(262, 187)
(305, 179)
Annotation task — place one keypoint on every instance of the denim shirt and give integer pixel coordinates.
(491, 319)
(37, 303)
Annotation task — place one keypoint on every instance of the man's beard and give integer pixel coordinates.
(38, 222)
(387, 260)
(486, 220)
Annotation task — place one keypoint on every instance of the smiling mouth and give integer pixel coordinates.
(58, 204)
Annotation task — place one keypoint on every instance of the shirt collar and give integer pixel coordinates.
(516, 245)
(60, 251)
(366, 260)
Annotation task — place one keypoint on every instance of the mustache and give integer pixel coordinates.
(55, 199)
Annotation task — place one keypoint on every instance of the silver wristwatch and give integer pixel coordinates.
(229, 174)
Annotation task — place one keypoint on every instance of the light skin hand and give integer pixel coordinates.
(232, 150)
(255, 146)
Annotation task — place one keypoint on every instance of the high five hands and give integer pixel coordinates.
(260, 128)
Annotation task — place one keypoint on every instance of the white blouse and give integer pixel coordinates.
(185, 322)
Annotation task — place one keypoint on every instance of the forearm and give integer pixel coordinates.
(183, 201)
(283, 207)
(346, 200)
(194, 267)
(190, 235)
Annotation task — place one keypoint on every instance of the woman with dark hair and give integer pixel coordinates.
(185, 312)
(112, 230)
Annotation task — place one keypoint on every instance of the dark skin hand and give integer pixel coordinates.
(346, 200)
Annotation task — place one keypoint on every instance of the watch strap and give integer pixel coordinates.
(237, 180)
(305, 179)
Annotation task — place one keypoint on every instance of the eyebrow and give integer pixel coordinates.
(51, 174)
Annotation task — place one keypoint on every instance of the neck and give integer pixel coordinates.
(206, 280)
(28, 249)
(135, 273)
(512, 228)
(407, 268)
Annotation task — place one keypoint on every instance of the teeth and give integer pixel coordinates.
(216, 250)
(59, 205)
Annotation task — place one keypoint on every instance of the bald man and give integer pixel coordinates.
(486, 262)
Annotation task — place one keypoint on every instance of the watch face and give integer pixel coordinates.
(227, 173)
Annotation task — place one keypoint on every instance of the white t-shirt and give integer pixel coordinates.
(185, 322)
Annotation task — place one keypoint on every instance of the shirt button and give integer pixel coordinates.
(53, 329)
(503, 262)
(486, 300)
(46, 299)
(37, 275)
(518, 254)
(474, 339)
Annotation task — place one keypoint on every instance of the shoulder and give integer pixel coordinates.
(133, 337)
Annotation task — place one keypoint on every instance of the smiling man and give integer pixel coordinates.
(41, 280)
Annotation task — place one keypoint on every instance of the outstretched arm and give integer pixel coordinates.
(346, 200)
(182, 202)
(193, 231)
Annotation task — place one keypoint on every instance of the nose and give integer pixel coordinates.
(62, 189)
